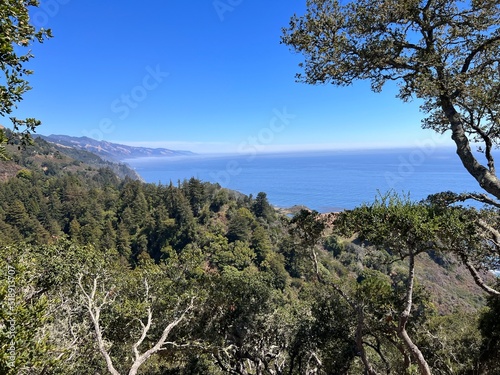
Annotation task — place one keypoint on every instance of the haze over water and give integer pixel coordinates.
(324, 181)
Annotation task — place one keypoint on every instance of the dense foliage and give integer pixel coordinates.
(109, 275)
(102, 274)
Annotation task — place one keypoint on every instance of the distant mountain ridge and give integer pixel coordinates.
(52, 159)
(111, 151)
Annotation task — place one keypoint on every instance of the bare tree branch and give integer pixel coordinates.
(94, 308)
(94, 311)
(405, 315)
(161, 341)
(494, 232)
(145, 328)
(477, 50)
(478, 279)
(450, 198)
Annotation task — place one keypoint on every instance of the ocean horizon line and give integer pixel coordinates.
(293, 153)
(319, 180)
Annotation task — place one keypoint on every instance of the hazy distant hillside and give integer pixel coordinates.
(111, 151)
(54, 159)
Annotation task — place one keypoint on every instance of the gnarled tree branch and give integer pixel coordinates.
(94, 305)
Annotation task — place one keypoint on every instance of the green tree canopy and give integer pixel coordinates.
(445, 53)
(16, 35)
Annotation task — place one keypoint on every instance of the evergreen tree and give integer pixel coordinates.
(196, 195)
(261, 207)
(240, 225)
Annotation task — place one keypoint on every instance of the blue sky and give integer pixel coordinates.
(204, 75)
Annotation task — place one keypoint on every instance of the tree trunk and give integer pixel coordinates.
(369, 370)
(403, 320)
(415, 351)
(478, 279)
(487, 180)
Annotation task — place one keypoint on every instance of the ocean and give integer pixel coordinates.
(324, 181)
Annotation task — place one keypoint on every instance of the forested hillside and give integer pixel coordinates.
(110, 275)
(105, 274)
(51, 159)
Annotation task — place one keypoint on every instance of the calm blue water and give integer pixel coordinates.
(324, 181)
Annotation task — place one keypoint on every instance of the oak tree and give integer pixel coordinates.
(17, 34)
(445, 53)
(404, 230)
